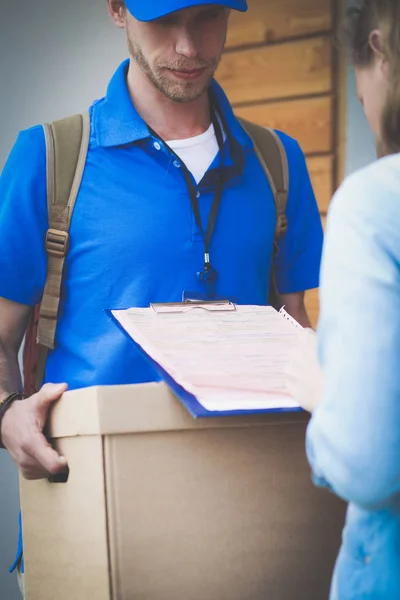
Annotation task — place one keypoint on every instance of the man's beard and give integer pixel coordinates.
(185, 91)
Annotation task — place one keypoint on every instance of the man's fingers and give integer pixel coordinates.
(51, 392)
(31, 470)
(46, 456)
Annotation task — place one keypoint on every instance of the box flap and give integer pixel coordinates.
(108, 410)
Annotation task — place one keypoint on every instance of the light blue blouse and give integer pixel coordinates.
(353, 440)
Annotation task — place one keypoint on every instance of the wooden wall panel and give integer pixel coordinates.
(312, 298)
(283, 71)
(272, 20)
(321, 173)
(279, 72)
(309, 121)
(312, 306)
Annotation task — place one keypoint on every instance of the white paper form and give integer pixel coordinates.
(229, 360)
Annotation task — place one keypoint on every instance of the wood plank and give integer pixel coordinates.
(309, 121)
(273, 72)
(312, 306)
(321, 174)
(272, 20)
(312, 297)
(341, 77)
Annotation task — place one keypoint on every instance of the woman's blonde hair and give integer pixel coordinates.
(362, 20)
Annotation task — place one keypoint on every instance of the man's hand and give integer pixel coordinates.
(305, 377)
(21, 433)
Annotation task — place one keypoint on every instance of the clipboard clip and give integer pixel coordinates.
(190, 305)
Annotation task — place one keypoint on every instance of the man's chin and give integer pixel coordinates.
(187, 98)
(186, 91)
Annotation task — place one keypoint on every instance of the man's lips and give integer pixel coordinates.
(188, 74)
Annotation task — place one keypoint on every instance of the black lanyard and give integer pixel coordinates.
(208, 275)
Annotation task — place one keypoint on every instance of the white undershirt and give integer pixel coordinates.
(198, 152)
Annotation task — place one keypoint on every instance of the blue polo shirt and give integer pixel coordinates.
(134, 238)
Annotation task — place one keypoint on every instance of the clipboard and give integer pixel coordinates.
(193, 310)
(163, 308)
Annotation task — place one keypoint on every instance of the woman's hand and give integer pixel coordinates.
(305, 381)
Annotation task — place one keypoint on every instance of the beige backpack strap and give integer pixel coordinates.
(272, 156)
(67, 143)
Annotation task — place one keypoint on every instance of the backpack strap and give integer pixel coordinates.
(67, 143)
(271, 153)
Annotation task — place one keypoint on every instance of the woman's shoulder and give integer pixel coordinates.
(372, 193)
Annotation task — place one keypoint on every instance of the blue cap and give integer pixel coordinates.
(149, 10)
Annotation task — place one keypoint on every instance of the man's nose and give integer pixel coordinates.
(188, 43)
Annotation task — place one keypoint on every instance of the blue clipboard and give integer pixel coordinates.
(188, 400)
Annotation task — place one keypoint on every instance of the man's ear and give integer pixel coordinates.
(117, 10)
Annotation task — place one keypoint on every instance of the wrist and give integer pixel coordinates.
(5, 405)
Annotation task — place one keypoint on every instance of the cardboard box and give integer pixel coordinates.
(159, 506)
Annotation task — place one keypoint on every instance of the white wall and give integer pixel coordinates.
(56, 57)
(360, 148)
